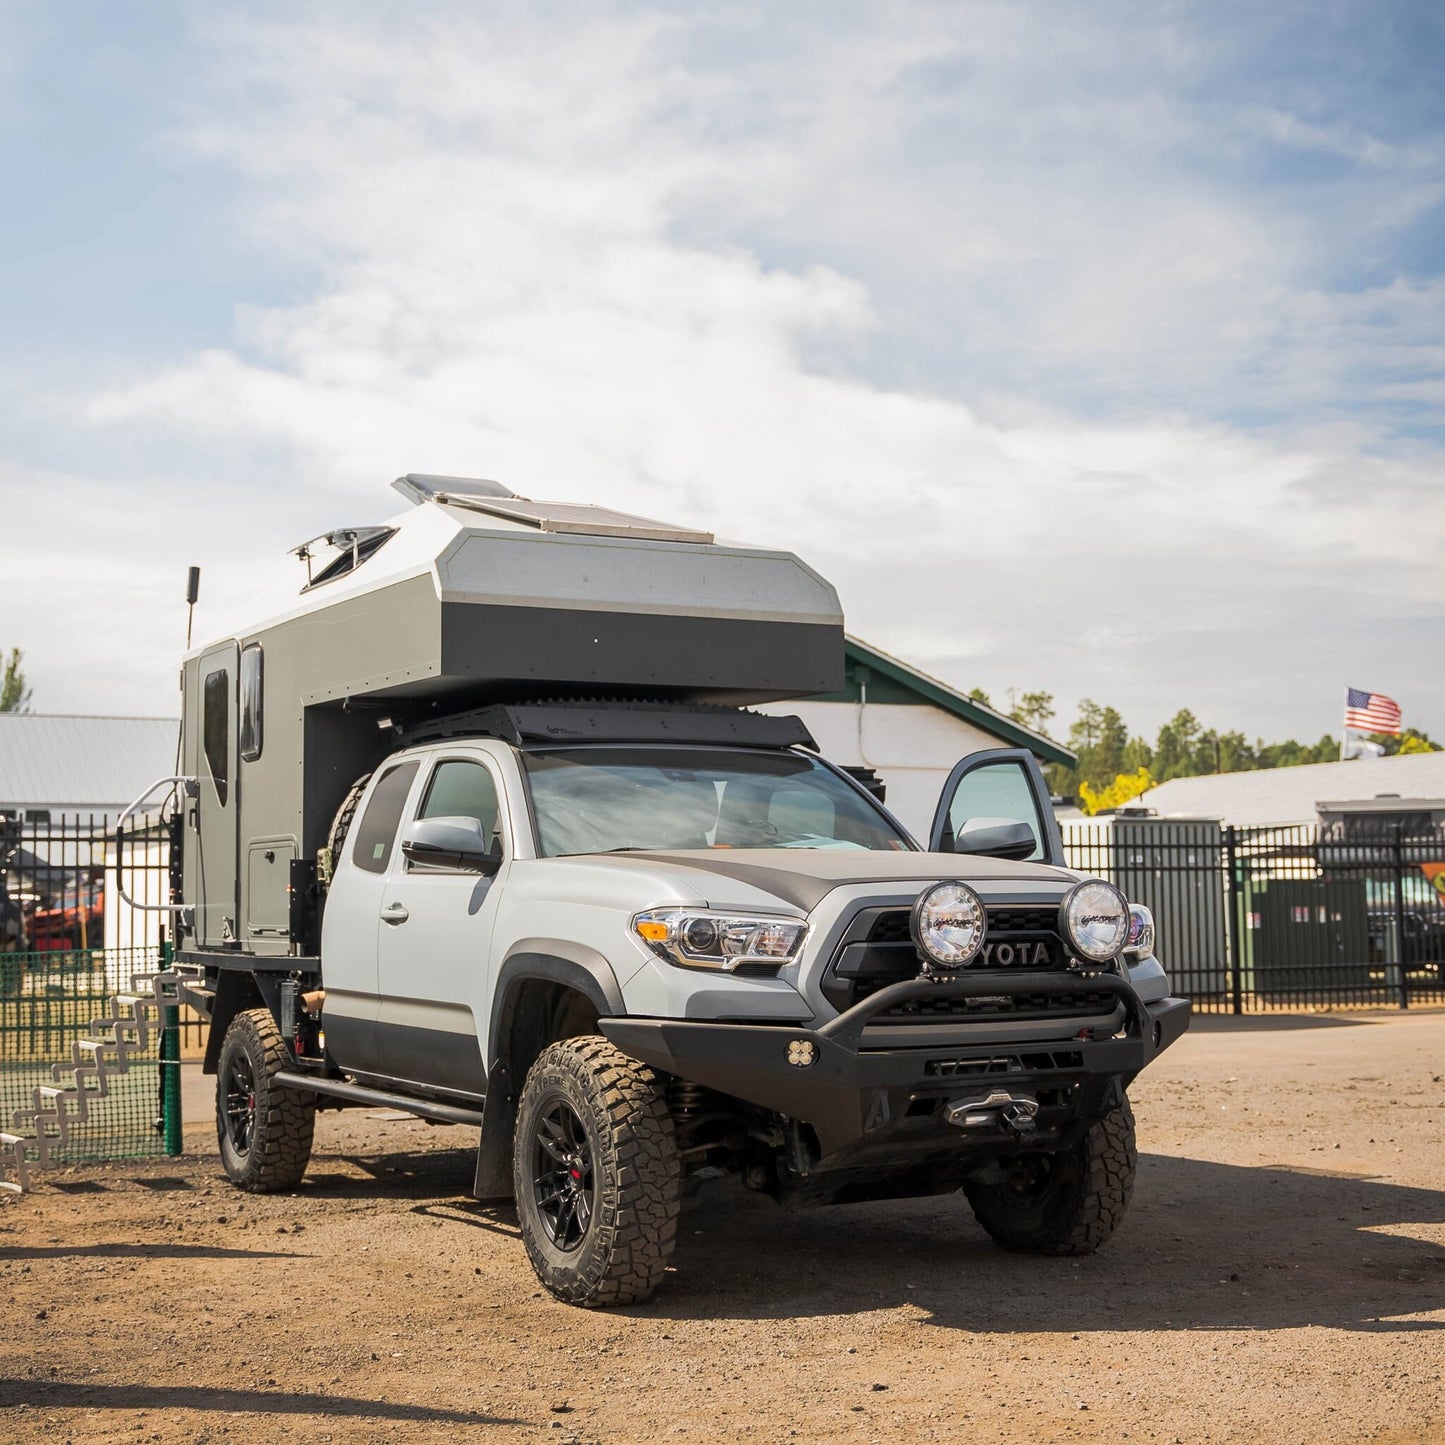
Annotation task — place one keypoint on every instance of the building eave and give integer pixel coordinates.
(942, 696)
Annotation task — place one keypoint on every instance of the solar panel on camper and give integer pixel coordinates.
(580, 518)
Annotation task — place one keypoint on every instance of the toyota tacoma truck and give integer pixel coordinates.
(487, 828)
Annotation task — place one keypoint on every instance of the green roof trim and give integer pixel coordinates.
(890, 681)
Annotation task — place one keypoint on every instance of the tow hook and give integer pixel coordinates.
(1013, 1111)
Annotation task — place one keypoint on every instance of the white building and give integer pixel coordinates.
(910, 728)
(1273, 796)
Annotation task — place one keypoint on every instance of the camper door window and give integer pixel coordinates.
(216, 731)
(251, 702)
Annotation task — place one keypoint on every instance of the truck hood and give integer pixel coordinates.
(805, 876)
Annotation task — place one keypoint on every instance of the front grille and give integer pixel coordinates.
(1035, 1005)
(877, 950)
(891, 926)
(1032, 1063)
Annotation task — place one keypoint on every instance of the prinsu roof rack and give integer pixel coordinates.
(615, 722)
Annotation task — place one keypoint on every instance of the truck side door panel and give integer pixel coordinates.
(434, 944)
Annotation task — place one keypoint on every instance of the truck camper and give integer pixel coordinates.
(482, 827)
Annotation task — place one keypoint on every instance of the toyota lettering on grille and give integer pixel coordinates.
(1015, 955)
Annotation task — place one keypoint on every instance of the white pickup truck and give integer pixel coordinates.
(482, 827)
(648, 957)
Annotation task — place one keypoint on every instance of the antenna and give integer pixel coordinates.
(193, 591)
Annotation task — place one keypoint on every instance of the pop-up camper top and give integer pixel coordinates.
(473, 596)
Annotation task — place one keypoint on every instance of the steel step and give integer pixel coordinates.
(132, 1020)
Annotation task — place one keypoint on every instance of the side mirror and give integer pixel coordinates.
(996, 838)
(450, 843)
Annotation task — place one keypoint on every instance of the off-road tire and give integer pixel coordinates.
(271, 1154)
(1077, 1199)
(635, 1173)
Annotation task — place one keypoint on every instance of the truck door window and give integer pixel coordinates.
(376, 836)
(216, 731)
(996, 792)
(250, 738)
(460, 788)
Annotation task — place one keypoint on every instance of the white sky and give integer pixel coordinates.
(1082, 352)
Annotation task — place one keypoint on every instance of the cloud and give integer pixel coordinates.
(941, 302)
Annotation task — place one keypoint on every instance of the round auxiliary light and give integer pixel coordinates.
(1094, 919)
(948, 925)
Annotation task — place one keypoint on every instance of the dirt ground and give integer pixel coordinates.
(1280, 1277)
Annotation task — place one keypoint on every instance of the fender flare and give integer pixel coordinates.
(551, 960)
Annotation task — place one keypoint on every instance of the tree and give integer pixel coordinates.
(977, 694)
(1174, 749)
(14, 690)
(1033, 709)
(1137, 754)
(1124, 789)
(1100, 739)
(1409, 741)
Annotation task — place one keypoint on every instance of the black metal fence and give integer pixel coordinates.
(1255, 920)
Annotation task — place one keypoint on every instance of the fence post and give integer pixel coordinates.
(1231, 921)
(170, 1064)
(1399, 929)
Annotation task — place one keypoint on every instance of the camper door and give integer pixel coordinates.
(214, 886)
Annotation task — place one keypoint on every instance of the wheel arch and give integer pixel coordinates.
(544, 988)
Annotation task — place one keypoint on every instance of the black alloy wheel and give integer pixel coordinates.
(595, 1173)
(264, 1128)
(563, 1183)
(239, 1093)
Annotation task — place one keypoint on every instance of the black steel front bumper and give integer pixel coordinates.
(860, 1100)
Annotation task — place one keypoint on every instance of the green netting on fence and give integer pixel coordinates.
(48, 1001)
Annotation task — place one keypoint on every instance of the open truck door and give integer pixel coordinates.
(988, 798)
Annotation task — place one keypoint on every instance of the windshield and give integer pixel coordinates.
(1417, 890)
(603, 800)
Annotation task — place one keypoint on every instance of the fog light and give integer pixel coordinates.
(802, 1052)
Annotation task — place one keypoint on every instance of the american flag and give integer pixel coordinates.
(1371, 712)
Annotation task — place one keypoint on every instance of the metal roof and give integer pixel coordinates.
(1292, 795)
(74, 764)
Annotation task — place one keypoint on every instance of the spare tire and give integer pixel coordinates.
(341, 823)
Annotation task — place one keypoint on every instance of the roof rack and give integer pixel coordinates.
(614, 722)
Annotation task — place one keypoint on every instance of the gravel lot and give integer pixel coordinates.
(1281, 1277)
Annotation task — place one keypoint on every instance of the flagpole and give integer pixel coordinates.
(1345, 730)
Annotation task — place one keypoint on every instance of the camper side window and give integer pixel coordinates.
(376, 836)
(216, 731)
(251, 702)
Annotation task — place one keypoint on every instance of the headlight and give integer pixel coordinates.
(948, 924)
(1141, 931)
(1094, 919)
(695, 938)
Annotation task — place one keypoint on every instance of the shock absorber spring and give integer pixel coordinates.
(684, 1100)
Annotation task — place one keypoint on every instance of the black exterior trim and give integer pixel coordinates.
(431, 1058)
(1053, 840)
(550, 961)
(850, 1092)
(692, 658)
(616, 722)
(235, 993)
